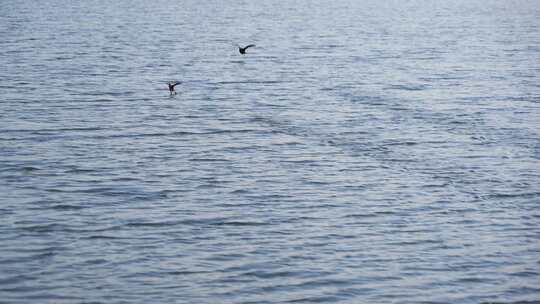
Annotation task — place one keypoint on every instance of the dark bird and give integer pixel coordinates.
(242, 50)
(172, 85)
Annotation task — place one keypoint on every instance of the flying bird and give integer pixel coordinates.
(242, 50)
(172, 85)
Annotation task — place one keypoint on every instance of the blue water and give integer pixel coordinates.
(363, 152)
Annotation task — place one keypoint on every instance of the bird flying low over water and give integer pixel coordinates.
(172, 85)
(242, 50)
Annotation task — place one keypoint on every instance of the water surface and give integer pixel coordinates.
(362, 152)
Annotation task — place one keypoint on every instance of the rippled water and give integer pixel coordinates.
(362, 152)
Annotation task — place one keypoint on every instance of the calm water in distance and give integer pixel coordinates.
(363, 152)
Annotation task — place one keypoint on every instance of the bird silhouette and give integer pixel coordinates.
(242, 50)
(172, 85)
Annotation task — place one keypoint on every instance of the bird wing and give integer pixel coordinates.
(248, 46)
(176, 83)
